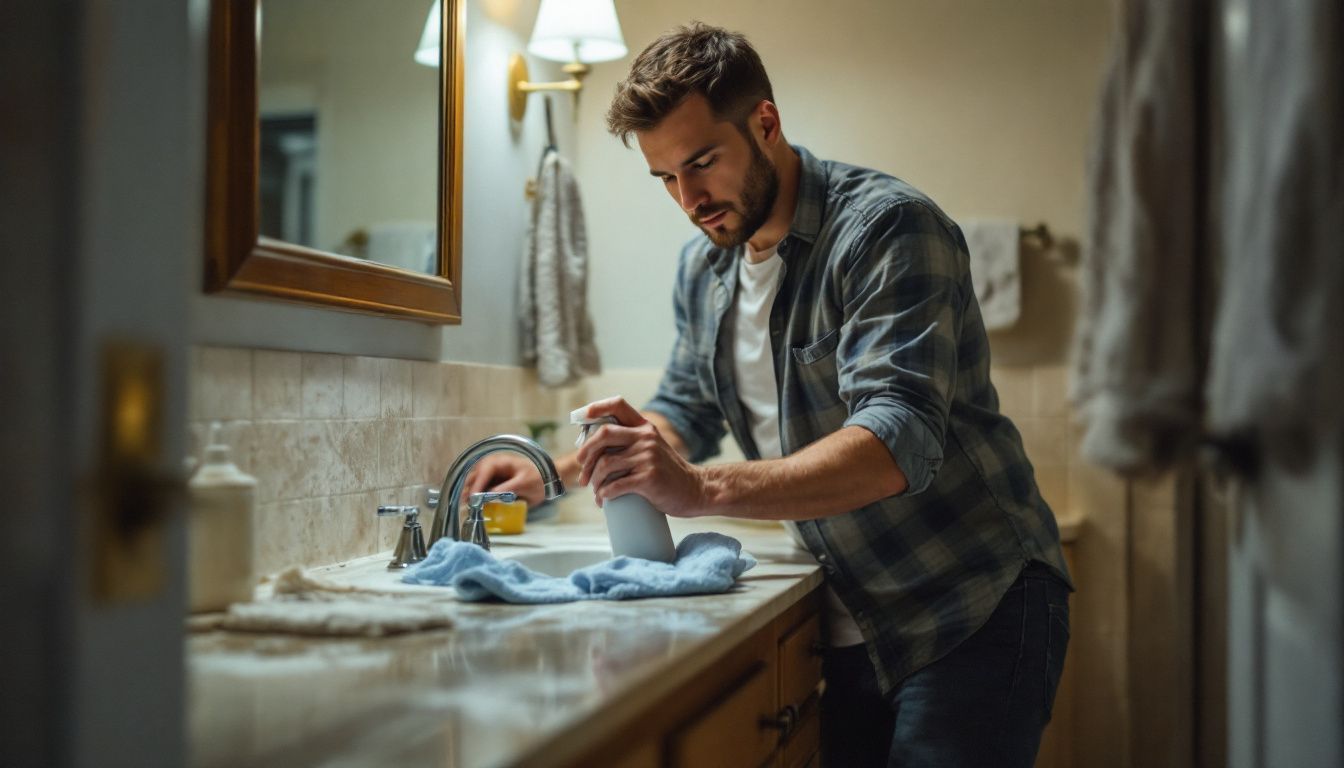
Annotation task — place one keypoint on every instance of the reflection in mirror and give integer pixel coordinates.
(349, 130)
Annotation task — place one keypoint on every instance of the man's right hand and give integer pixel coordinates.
(506, 471)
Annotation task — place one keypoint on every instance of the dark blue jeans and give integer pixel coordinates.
(984, 704)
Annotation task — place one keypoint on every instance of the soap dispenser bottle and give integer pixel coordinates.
(635, 528)
(220, 530)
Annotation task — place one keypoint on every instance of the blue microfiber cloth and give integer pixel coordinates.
(706, 563)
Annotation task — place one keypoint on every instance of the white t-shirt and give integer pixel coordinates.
(754, 369)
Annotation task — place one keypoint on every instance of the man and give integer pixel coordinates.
(827, 315)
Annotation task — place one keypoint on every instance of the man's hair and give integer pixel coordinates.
(697, 58)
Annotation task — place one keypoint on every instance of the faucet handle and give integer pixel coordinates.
(473, 530)
(477, 501)
(411, 545)
(392, 510)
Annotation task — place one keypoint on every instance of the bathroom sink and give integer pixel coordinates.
(560, 561)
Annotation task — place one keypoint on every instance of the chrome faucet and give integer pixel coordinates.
(446, 520)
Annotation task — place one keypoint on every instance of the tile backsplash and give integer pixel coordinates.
(331, 437)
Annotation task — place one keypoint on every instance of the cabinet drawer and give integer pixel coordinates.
(800, 662)
(729, 733)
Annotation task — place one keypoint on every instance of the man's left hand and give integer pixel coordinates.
(633, 457)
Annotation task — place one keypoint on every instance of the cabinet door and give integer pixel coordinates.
(730, 732)
(799, 689)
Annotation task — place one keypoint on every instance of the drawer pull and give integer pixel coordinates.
(783, 722)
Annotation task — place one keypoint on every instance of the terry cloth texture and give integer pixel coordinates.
(994, 246)
(706, 563)
(557, 331)
(1134, 379)
(309, 606)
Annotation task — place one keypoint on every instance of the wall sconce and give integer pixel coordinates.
(576, 32)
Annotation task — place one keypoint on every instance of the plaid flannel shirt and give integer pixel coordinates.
(876, 325)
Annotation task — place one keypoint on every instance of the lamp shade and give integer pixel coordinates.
(586, 30)
(427, 52)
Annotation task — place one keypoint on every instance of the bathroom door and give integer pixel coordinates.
(100, 159)
(1285, 568)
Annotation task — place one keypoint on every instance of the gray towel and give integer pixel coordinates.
(1135, 381)
(1278, 339)
(557, 332)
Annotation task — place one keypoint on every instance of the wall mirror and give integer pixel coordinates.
(334, 173)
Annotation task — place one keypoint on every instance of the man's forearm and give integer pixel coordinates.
(841, 472)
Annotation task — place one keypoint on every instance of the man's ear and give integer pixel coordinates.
(766, 119)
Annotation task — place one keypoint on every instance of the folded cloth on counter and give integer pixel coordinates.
(995, 269)
(706, 563)
(306, 605)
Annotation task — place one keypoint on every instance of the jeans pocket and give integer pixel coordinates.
(1056, 646)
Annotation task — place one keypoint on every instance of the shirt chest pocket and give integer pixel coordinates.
(816, 375)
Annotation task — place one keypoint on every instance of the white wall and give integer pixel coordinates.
(498, 158)
(984, 105)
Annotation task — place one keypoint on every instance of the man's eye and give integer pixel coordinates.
(703, 164)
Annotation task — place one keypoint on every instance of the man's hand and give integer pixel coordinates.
(502, 472)
(634, 457)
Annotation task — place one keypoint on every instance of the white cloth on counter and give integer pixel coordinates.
(996, 271)
(1135, 379)
(1277, 358)
(556, 329)
(305, 605)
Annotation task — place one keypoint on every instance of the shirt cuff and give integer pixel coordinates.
(911, 443)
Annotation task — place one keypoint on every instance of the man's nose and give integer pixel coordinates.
(690, 194)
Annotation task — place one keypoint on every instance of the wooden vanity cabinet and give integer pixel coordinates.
(755, 705)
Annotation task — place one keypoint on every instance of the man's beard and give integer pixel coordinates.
(759, 192)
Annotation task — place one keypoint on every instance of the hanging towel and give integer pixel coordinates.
(706, 563)
(1277, 358)
(1134, 379)
(995, 270)
(557, 332)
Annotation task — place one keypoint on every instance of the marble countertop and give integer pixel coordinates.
(505, 684)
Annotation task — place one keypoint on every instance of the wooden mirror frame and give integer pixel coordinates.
(239, 259)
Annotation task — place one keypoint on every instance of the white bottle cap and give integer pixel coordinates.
(216, 452)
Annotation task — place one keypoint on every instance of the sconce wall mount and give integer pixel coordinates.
(520, 86)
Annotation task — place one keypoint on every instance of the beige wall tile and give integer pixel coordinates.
(284, 534)
(277, 385)
(426, 389)
(502, 383)
(452, 388)
(323, 384)
(1053, 483)
(1014, 385)
(1046, 440)
(397, 462)
(361, 509)
(222, 386)
(350, 456)
(360, 396)
(474, 389)
(284, 455)
(1050, 390)
(394, 389)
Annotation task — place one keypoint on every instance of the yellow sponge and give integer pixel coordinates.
(505, 518)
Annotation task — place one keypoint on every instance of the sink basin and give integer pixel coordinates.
(560, 561)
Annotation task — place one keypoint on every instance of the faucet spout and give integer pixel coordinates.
(446, 521)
